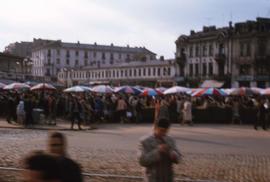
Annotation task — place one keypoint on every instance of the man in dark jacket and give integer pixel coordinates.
(70, 171)
(157, 153)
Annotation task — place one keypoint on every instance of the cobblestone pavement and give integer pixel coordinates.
(211, 152)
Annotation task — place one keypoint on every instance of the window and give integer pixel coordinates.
(130, 72)
(149, 71)
(111, 56)
(248, 49)
(140, 72)
(48, 71)
(154, 71)
(67, 53)
(204, 50)
(204, 69)
(158, 72)
(244, 70)
(58, 52)
(49, 61)
(49, 53)
(211, 50)
(67, 61)
(169, 71)
(95, 54)
(135, 73)
(77, 53)
(126, 73)
(197, 51)
(196, 69)
(57, 61)
(103, 56)
(85, 62)
(76, 62)
(85, 54)
(119, 56)
(191, 51)
(128, 57)
(122, 73)
(241, 49)
(210, 67)
(144, 71)
(164, 71)
(191, 69)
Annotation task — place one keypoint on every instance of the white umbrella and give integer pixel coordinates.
(43, 86)
(16, 86)
(2, 85)
(102, 89)
(176, 89)
(78, 89)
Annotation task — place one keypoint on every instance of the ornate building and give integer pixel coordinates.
(50, 56)
(237, 55)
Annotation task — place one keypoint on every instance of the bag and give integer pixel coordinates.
(129, 114)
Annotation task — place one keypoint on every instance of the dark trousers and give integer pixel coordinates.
(76, 116)
(28, 118)
(261, 121)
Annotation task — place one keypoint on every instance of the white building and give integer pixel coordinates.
(51, 56)
(151, 73)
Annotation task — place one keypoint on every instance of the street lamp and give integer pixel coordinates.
(17, 63)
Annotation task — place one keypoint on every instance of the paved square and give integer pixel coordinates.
(211, 152)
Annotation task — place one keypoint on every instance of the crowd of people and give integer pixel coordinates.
(88, 108)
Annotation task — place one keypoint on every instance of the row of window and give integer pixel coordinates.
(194, 69)
(85, 63)
(123, 73)
(204, 50)
(103, 55)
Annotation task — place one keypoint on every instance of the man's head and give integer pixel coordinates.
(41, 167)
(57, 144)
(162, 128)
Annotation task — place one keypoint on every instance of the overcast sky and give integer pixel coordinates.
(155, 24)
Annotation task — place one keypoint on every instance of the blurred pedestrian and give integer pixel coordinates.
(70, 171)
(41, 167)
(158, 153)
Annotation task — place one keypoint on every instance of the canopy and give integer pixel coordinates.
(43, 86)
(176, 89)
(102, 89)
(128, 90)
(16, 86)
(212, 84)
(78, 89)
(2, 85)
(209, 91)
(151, 92)
(244, 91)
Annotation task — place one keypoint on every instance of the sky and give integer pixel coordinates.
(154, 24)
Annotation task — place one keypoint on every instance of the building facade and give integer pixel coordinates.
(50, 56)
(21, 49)
(14, 67)
(236, 55)
(148, 73)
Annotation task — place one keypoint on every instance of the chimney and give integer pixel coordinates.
(230, 24)
(192, 32)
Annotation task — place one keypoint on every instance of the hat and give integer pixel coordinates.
(163, 123)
